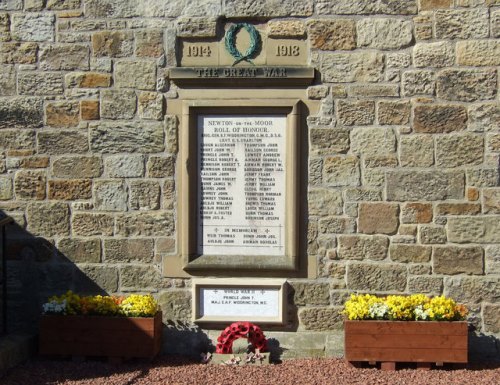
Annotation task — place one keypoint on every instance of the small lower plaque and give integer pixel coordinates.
(229, 300)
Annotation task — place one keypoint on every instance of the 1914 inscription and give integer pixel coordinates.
(241, 200)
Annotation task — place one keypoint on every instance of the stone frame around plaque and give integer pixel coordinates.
(192, 261)
(239, 283)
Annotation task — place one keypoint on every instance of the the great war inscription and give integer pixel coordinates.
(241, 198)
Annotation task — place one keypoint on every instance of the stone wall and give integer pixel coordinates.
(403, 158)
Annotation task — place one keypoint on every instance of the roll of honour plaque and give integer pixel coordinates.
(241, 199)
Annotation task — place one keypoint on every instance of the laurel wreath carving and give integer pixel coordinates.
(230, 42)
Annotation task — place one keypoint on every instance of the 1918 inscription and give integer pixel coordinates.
(241, 199)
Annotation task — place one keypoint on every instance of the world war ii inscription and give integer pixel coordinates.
(241, 199)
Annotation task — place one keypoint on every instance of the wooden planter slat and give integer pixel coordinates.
(406, 341)
(101, 336)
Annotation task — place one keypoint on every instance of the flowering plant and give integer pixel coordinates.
(416, 307)
(72, 304)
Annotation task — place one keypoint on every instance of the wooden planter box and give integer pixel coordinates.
(406, 341)
(123, 337)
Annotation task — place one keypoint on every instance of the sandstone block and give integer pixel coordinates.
(362, 194)
(359, 66)
(48, 219)
(87, 80)
(139, 74)
(439, 54)
(128, 250)
(493, 142)
(15, 140)
(21, 112)
(432, 234)
(366, 7)
(305, 293)
(467, 85)
(34, 162)
(374, 90)
(329, 141)
(384, 33)
(151, 105)
(286, 28)
(124, 166)
(478, 53)
(378, 218)
(425, 285)
(341, 171)
(104, 277)
(263, 8)
(332, 34)
(144, 195)
(60, 5)
(165, 245)
(146, 224)
(18, 53)
(410, 253)
(89, 110)
(491, 318)
(77, 167)
(7, 80)
(161, 166)
(459, 150)
(64, 57)
(30, 184)
(492, 259)
(360, 247)
(488, 177)
(439, 118)
(372, 141)
(461, 23)
(393, 112)
(429, 5)
(397, 59)
(337, 225)
(112, 43)
(405, 185)
(491, 200)
(127, 137)
(416, 151)
(88, 224)
(473, 229)
(149, 43)
(62, 114)
(325, 202)
(80, 250)
(472, 289)
(110, 195)
(418, 82)
(321, 318)
(5, 188)
(376, 277)
(456, 260)
(70, 189)
(169, 197)
(139, 278)
(458, 208)
(175, 305)
(4, 27)
(196, 27)
(315, 171)
(40, 83)
(33, 26)
(495, 23)
(317, 92)
(118, 104)
(171, 128)
(356, 112)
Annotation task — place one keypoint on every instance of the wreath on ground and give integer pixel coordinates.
(236, 330)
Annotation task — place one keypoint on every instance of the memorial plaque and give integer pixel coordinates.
(226, 300)
(241, 197)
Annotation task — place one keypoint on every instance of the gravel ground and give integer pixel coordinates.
(178, 370)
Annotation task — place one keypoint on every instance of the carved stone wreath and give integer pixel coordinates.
(230, 42)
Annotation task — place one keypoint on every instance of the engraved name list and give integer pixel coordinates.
(241, 200)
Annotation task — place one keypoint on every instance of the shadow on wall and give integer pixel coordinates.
(36, 270)
(484, 348)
